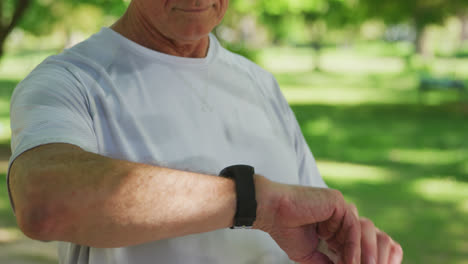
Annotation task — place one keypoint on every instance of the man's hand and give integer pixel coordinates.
(297, 217)
(377, 247)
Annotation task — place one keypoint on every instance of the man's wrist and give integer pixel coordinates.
(267, 201)
(246, 204)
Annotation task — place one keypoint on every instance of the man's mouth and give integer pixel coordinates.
(193, 10)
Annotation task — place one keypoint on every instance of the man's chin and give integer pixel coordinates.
(192, 37)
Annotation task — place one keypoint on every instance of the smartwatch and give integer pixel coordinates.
(246, 204)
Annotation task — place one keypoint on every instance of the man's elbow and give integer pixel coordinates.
(38, 222)
(39, 214)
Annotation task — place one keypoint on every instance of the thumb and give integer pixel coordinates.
(323, 247)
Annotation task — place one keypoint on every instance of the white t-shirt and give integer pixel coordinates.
(111, 96)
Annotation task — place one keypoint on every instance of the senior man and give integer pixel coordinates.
(118, 141)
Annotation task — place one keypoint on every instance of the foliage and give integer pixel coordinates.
(294, 22)
(282, 16)
(44, 15)
(242, 50)
(310, 22)
(10, 15)
(418, 13)
(40, 17)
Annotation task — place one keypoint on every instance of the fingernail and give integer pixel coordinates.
(371, 260)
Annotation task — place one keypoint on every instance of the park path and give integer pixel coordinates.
(15, 248)
(23, 250)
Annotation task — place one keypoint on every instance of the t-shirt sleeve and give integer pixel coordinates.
(308, 170)
(307, 166)
(50, 106)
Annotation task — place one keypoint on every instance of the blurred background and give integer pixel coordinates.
(379, 87)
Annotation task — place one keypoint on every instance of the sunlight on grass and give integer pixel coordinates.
(18, 65)
(9, 235)
(349, 173)
(5, 131)
(441, 190)
(4, 105)
(428, 156)
(449, 67)
(284, 59)
(463, 206)
(391, 218)
(349, 63)
(335, 95)
(319, 126)
(4, 203)
(456, 228)
(465, 168)
(285, 62)
(348, 89)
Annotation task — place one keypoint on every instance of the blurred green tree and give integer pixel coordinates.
(10, 16)
(300, 22)
(463, 17)
(464, 27)
(419, 13)
(40, 17)
(278, 14)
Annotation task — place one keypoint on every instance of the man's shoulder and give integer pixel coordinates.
(245, 66)
(64, 70)
(90, 57)
(99, 50)
(262, 79)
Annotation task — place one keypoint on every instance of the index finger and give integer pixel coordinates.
(346, 240)
(350, 234)
(368, 241)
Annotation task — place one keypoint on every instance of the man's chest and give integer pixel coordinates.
(196, 126)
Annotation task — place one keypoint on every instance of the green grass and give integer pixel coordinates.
(405, 167)
(402, 158)
(7, 219)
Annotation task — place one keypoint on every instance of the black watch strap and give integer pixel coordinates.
(246, 209)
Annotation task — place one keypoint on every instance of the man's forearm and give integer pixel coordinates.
(64, 193)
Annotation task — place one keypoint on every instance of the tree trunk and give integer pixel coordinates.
(421, 42)
(464, 28)
(317, 46)
(7, 27)
(3, 37)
